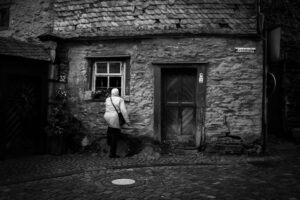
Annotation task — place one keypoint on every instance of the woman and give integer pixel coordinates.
(111, 117)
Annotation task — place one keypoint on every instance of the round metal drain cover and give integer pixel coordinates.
(123, 181)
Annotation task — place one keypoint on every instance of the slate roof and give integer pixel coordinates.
(12, 47)
(85, 18)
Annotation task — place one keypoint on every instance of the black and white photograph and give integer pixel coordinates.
(149, 99)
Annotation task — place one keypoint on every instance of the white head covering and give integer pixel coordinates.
(115, 92)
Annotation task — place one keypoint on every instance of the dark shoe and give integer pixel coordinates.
(114, 156)
(130, 154)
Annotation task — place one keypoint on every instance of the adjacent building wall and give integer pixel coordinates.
(29, 19)
(234, 85)
(286, 15)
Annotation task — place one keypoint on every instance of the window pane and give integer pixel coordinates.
(101, 68)
(101, 82)
(115, 82)
(114, 68)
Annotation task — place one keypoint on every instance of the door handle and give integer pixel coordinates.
(273, 82)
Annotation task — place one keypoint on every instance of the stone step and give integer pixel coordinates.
(180, 151)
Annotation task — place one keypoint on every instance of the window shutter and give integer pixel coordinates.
(127, 80)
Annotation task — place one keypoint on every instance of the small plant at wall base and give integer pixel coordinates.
(58, 122)
(64, 131)
(61, 95)
(57, 114)
(54, 125)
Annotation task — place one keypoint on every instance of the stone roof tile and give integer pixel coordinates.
(12, 47)
(125, 16)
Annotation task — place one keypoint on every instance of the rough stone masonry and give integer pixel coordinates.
(234, 82)
(28, 19)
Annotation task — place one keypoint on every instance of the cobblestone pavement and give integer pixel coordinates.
(84, 176)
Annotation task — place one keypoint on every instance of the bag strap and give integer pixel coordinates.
(113, 104)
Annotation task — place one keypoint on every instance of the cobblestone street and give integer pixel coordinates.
(81, 176)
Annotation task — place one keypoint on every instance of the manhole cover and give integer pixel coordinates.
(128, 179)
(123, 181)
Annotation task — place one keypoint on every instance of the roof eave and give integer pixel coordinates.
(25, 57)
(54, 37)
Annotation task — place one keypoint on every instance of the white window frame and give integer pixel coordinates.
(122, 74)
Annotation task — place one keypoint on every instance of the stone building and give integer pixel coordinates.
(282, 18)
(190, 71)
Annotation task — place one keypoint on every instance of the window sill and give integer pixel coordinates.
(126, 99)
(89, 97)
(94, 100)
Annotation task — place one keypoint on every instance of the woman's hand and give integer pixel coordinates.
(127, 125)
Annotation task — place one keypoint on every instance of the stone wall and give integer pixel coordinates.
(29, 19)
(234, 85)
(286, 14)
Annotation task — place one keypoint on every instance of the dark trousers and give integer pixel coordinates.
(113, 135)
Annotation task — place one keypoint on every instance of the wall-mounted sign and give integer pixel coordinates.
(245, 49)
(201, 78)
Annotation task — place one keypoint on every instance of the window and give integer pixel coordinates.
(4, 17)
(108, 75)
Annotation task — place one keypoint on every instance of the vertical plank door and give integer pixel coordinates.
(179, 106)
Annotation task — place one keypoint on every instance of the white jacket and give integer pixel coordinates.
(110, 115)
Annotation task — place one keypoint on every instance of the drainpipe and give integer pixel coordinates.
(263, 34)
(264, 96)
(265, 100)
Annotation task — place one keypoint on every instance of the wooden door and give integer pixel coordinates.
(179, 106)
(22, 122)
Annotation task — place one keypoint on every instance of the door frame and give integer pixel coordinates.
(200, 97)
